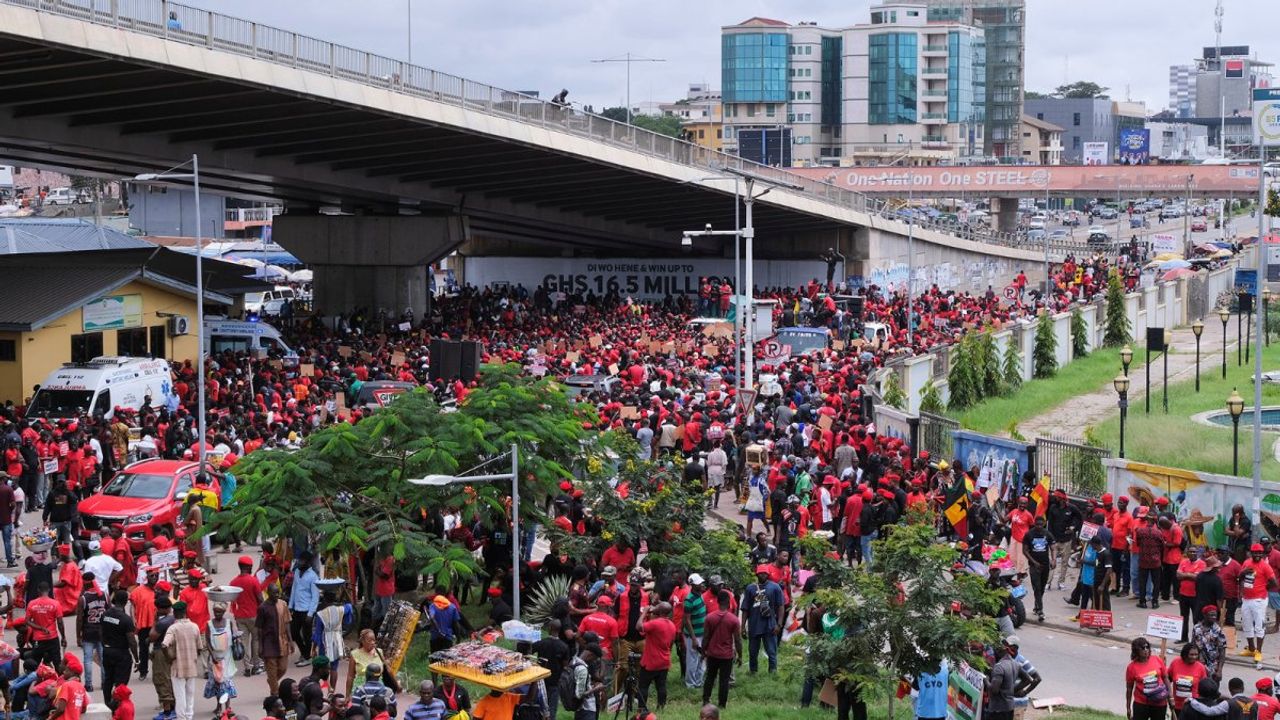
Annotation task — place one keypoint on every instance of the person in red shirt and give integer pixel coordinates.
(1185, 673)
(1266, 700)
(196, 599)
(1172, 533)
(70, 582)
(245, 610)
(384, 587)
(1188, 569)
(71, 699)
(44, 627)
(1121, 524)
(123, 698)
(1020, 520)
(604, 625)
(1146, 694)
(659, 634)
(1256, 578)
(620, 556)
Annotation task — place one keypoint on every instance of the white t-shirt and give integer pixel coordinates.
(102, 566)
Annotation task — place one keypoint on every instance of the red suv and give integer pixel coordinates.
(144, 497)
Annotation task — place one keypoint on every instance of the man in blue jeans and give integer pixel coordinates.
(7, 501)
(762, 612)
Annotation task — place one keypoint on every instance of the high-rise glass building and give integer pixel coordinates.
(899, 87)
(1004, 34)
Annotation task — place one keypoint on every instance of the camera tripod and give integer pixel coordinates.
(630, 687)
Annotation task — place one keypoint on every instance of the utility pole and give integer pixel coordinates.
(628, 59)
(1222, 80)
(408, 27)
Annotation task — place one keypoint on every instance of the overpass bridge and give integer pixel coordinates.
(420, 163)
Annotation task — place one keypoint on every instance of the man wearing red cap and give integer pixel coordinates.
(1265, 699)
(1256, 578)
(602, 623)
(72, 699)
(245, 611)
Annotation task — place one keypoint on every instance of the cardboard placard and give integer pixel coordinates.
(718, 330)
(825, 422)
(366, 356)
(655, 347)
(613, 368)
(165, 558)
(278, 365)
(709, 350)
(1168, 627)
(572, 356)
(596, 341)
(668, 347)
(1100, 619)
(1088, 530)
(404, 327)
(307, 370)
(629, 412)
(341, 403)
(344, 351)
(397, 359)
(837, 345)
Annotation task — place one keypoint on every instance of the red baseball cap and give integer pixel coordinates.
(1256, 548)
(245, 560)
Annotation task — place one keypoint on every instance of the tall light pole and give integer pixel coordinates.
(628, 59)
(1222, 79)
(194, 177)
(1197, 328)
(1186, 219)
(1235, 406)
(1261, 273)
(1223, 315)
(516, 541)
(1121, 383)
(408, 28)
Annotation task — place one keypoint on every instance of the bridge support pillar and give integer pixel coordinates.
(379, 263)
(1006, 213)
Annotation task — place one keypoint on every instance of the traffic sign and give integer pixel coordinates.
(1010, 292)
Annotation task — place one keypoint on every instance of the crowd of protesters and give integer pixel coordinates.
(827, 469)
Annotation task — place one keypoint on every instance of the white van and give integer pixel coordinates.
(61, 196)
(101, 385)
(221, 335)
(270, 301)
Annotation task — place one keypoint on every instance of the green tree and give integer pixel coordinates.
(898, 620)
(1116, 332)
(1044, 356)
(893, 393)
(988, 363)
(1273, 203)
(962, 380)
(348, 485)
(930, 398)
(616, 114)
(1033, 95)
(1012, 375)
(1080, 89)
(1079, 334)
(661, 124)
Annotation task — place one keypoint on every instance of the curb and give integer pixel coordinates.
(1232, 657)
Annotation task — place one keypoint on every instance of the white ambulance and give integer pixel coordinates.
(101, 385)
(245, 336)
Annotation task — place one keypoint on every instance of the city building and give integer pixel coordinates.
(700, 115)
(158, 209)
(1083, 120)
(1004, 33)
(897, 89)
(1179, 141)
(1041, 142)
(1224, 83)
(1182, 90)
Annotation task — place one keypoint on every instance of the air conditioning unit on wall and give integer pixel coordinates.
(179, 325)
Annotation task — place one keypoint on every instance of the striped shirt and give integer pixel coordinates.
(431, 710)
(696, 612)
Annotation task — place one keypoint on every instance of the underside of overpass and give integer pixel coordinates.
(85, 113)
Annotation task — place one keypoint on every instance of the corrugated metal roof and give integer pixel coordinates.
(35, 295)
(21, 236)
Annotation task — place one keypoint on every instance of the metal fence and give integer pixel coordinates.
(1074, 468)
(935, 435)
(205, 28)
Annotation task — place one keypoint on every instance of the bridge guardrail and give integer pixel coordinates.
(206, 28)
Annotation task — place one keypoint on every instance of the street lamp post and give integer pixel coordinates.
(1223, 314)
(1168, 339)
(1248, 324)
(1266, 316)
(1126, 357)
(1235, 406)
(516, 542)
(1197, 328)
(1121, 383)
(1239, 331)
(1147, 397)
(194, 177)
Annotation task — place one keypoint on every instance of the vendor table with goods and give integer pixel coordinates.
(487, 665)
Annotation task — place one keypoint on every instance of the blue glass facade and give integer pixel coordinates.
(966, 77)
(753, 67)
(893, 77)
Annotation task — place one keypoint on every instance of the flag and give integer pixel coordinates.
(956, 509)
(1040, 495)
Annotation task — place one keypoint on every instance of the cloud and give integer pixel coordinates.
(546, 45)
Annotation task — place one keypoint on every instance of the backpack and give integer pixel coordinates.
(567, 685)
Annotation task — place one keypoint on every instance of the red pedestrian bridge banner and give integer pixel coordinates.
(1011, 180)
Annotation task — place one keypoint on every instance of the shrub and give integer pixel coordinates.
(1079, 335)
(893, 394)
(1012, 365)
(1044, 357)
(1117, 322)
(930, 398)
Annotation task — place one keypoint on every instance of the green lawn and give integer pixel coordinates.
(995, 415)
(1176, 441)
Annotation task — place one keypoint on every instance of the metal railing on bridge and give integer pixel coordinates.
(205, 28)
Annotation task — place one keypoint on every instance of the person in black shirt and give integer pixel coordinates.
(553, 654)
(1064, 524)
(762, 552)
(1038, 546)
(119, 644)
(455, 696)
(1209, 589)
(60, 512)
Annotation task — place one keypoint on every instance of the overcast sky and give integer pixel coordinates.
(546, 45)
